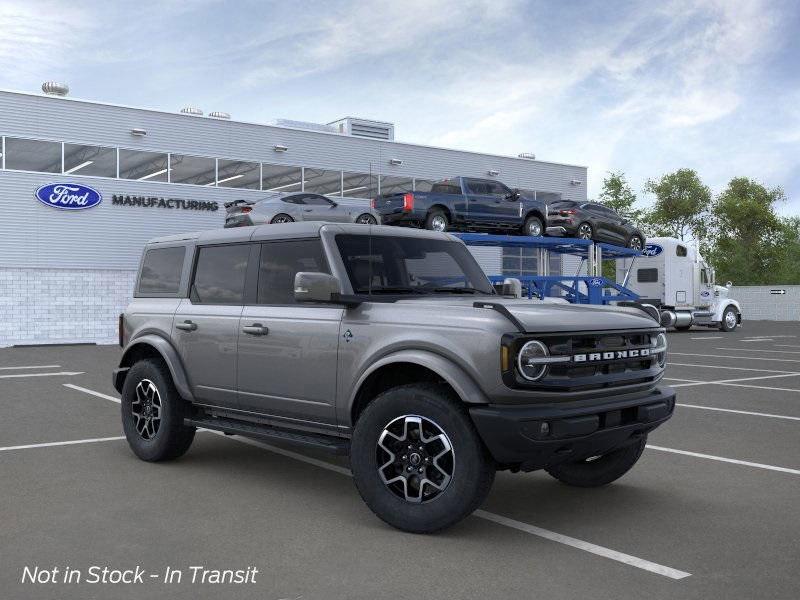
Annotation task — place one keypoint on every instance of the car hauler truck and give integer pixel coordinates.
(672, 276)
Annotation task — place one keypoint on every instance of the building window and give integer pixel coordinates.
(325, 182)
(195, 170)
(90, 160)
(279, 178)
(238, 174)
(359, 185)
(396, 185)
(143, 166)
(423, 185)
(33, 155)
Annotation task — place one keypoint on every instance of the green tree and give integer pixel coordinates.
(681, 206)
(618, 195)
(751, 244)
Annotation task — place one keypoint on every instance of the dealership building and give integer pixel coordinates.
(65, 275)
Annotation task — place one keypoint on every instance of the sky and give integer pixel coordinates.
(639, 87)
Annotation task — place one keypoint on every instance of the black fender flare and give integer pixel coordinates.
(167, 352)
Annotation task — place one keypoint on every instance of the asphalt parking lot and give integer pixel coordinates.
(710, 511)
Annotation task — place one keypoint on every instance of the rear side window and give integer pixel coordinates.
(647, 275)
(446, 187)
(280, 262)
(219, 275)
(161, 271)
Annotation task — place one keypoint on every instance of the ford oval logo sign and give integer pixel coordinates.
(596, 282)
(652, 250)
(68, 196)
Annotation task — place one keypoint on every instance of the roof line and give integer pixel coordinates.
(339, 135)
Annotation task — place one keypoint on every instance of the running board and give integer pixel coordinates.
(329, 443)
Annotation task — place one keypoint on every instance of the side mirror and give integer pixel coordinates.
(334, 204)
(514, 195)
(512, 287)
(729, 284)
(315, 287)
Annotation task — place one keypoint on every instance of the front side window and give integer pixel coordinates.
(219, 275)
(406, 265)
(280, 262)
(680, 251)
(33, 155)
(315, 200)
(161, 271)
(478, 187)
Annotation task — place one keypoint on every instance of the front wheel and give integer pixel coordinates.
(729, 319)
(417, 460)
(367, 219)
(599, 470)
(282, 218)
(153, 412)
(533, 227)
(585, 231)
(635, 243)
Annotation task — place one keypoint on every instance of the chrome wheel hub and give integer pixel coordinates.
(416, 458)
(584, 232)
(146, 409)
(534, 229)
(636, 243)
(730, 319)
(438, 223)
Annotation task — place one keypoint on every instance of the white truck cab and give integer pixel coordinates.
(671, 275)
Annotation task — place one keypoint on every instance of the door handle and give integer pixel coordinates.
(255, 329)
(308, 209)
(186, 326)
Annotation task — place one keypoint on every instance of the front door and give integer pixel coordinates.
(287, 351)
(480, 202)
(206, 325)
(320, 208)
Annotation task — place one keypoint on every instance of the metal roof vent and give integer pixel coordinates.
(53, 88)
(527, 155)
(376, 130)
(219, 115)
(191, 110)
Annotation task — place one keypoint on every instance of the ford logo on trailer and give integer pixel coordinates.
(652, 250)
(596, 282)
(68, 196)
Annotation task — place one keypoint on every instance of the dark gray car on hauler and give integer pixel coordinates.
(389, 345)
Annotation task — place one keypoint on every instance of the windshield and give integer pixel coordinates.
(407, 265)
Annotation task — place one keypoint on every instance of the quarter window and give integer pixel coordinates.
(161, 271)
(280, 262)
(33, 155)
(219, 275)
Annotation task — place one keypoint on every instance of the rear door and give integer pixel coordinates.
(206, 325)
(287, 351)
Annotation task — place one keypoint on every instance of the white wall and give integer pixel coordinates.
(759, 304)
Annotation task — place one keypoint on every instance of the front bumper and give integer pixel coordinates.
(537, 436)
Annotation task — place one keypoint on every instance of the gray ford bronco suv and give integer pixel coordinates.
(391, 346)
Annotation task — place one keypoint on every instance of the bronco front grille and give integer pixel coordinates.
(598, 360)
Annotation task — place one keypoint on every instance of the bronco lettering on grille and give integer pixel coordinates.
(616, 354)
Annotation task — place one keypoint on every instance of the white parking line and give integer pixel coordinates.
(747, 358)
(739, 412)
(787, 346)
(67, 443)
(765, 339)
(91, 392)
(760, 350)
(707, 337)
(733, 381)
(627, 559)
(674, 364)
(727, 460)
(31, 367)
(17, 375)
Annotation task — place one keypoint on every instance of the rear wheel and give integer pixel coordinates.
(585, 231)
(367, 219)
(533, 227)
(635, 243)
(729, 319)
(282, 218)
(153, 412)
(599, 470)
(417, 460)
(436, 220)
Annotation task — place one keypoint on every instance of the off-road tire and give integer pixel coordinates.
(602, 470)
(532, 222)
(433, 217)
(172, 438)
(282, 218)
(723, 326)
(473, 468)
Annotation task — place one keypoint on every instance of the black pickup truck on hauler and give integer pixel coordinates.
(464, 203)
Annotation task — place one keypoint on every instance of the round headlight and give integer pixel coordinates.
(659, 344)
(528, 360)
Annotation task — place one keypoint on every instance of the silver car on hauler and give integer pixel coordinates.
(389, 345)
(299, 206)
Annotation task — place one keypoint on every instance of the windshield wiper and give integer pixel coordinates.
(390, 290)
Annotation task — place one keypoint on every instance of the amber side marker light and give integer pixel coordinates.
(504, 358)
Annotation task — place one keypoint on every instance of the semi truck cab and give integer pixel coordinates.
(673, 276)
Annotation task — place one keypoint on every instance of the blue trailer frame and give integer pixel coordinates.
(577, 289)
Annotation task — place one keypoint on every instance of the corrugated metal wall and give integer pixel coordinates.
(761, 303)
